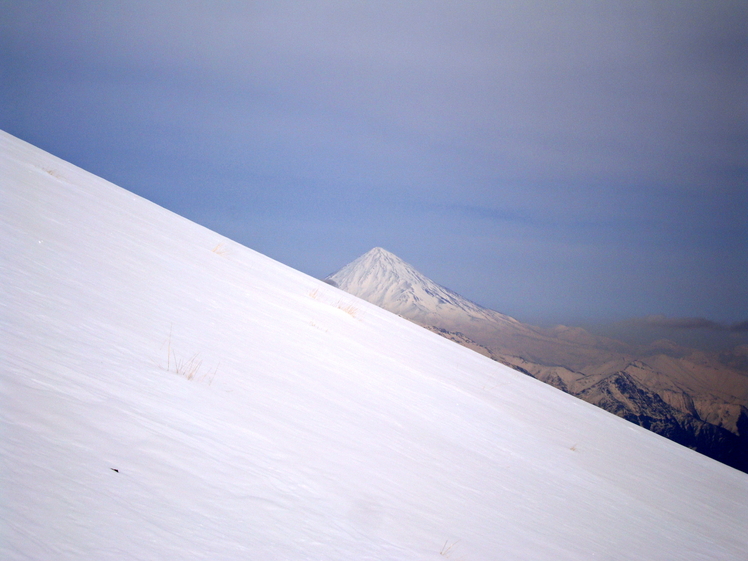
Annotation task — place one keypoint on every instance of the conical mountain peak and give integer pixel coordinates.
(384, 279)
(380, 252)
(381, 257)
(376, 262)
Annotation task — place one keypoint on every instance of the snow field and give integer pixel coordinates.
(253, 412)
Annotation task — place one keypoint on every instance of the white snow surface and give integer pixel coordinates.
(253, 412)
(382, 278)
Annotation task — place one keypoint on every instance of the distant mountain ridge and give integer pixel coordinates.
(689, 396)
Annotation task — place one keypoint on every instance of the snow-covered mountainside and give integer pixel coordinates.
(382, 278)
(688, 396)
(166, 393)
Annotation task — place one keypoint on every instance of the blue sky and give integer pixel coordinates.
(567, 162)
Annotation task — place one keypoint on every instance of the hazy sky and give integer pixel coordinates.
(567, 161)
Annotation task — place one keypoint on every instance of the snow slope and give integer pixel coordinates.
(253, 412)
(689, 396)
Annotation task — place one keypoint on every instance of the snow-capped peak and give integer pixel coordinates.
(382, 278)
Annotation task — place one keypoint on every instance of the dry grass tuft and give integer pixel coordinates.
(447, 548)
(349, 309)
(187, 367)
(53, 172)
(220, 249)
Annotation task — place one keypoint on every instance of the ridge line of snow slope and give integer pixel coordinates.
(254, 412)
